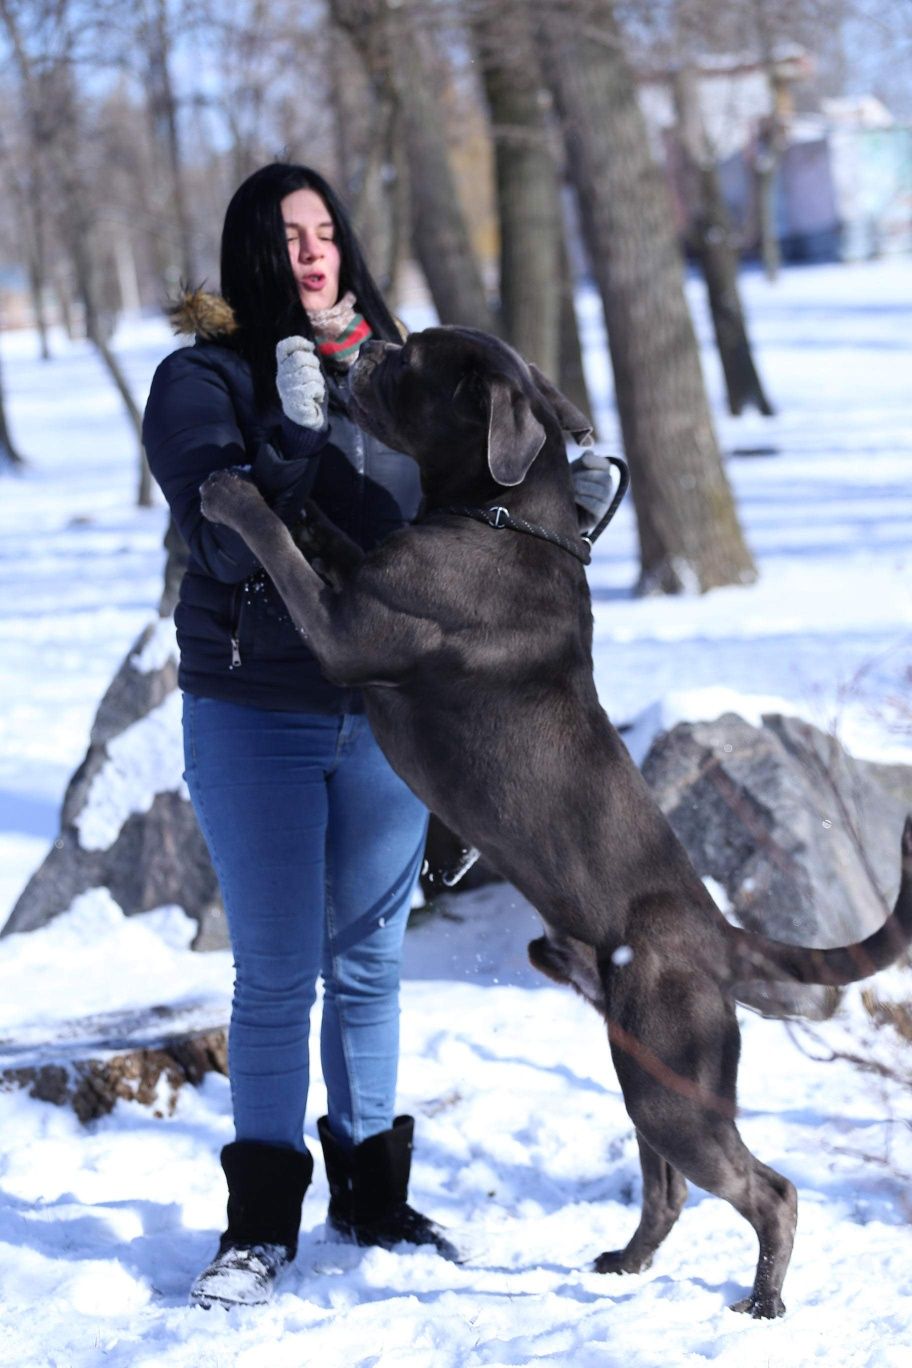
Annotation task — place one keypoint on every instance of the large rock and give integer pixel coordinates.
(803, 838)
(127, 823)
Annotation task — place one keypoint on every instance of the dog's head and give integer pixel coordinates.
(461, 403)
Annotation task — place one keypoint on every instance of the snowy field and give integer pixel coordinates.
(524, 1150)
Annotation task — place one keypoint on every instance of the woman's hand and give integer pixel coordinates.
(300, 382)
(594, 484)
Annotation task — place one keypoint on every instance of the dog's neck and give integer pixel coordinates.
(546, 494)
(544, 497)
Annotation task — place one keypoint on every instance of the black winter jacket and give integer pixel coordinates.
(236, 639)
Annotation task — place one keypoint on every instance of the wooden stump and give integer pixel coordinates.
(93, 1062)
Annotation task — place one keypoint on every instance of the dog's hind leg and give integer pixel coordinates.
(720, 1162)
(770, 1203)
(676, 1054)
(664, 1194)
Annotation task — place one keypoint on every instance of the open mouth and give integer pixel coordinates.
(313, 282)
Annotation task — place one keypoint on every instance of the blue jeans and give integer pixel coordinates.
(317, 845)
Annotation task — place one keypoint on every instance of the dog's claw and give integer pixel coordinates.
(766, 1307)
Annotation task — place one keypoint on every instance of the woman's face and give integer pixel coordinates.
(314, 255)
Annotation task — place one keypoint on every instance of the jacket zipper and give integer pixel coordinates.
(361, 468)
(237, 608)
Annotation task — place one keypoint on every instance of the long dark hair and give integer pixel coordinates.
(257, 279)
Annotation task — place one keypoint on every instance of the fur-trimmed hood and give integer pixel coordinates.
(203, 314)
(206, 315)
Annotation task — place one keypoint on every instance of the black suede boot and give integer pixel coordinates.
(266, 1186)
(368, 1187)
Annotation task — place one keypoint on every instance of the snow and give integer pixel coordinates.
(160, 647)
(146, 758)
(523, 1150)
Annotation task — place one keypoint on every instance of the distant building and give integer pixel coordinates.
(843, 178)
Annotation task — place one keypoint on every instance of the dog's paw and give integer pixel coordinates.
(619, 1261)
(225, 494)
(762, 1306)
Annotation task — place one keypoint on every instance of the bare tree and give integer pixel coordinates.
(43, 39)
(571, 376)
(688, 526)
(26, 180)
(528, 196)
(370, 159)
(9, 456)
(396, 45)
(711, 239)
(155, 24)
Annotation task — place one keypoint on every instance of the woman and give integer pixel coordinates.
(316, 841)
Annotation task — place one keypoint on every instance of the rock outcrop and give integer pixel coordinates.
(803, 838)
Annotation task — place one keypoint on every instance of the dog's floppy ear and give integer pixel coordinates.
(571, 419)
(515, 436)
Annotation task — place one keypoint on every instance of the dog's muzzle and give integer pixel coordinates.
(364, 395)
(369, 358)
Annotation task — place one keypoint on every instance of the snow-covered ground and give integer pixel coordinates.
(524, 1149)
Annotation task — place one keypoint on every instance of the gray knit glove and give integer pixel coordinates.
(594, 482)
(300, 382)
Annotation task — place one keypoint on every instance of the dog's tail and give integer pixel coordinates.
(756, 957)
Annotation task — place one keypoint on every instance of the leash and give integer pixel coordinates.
(499, 517)
(623, 482)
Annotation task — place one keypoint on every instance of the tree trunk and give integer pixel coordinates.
(163, 113)
(9, 456)
(128, 291)
(397, 53)
(36, 277)
(528, 197)
(710, 238)
(375, 208)
(58, 142)
(400, 209)
(345, 95)
(769, 141)
(372, 175)
(688, 526)
(571, 375)
(718, 263)
(31, 194)
(765, 162)
(80, 254)
(64, 302)
(134, 412)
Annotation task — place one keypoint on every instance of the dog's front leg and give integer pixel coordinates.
(227, 497)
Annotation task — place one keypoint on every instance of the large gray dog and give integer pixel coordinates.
(472, 643)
